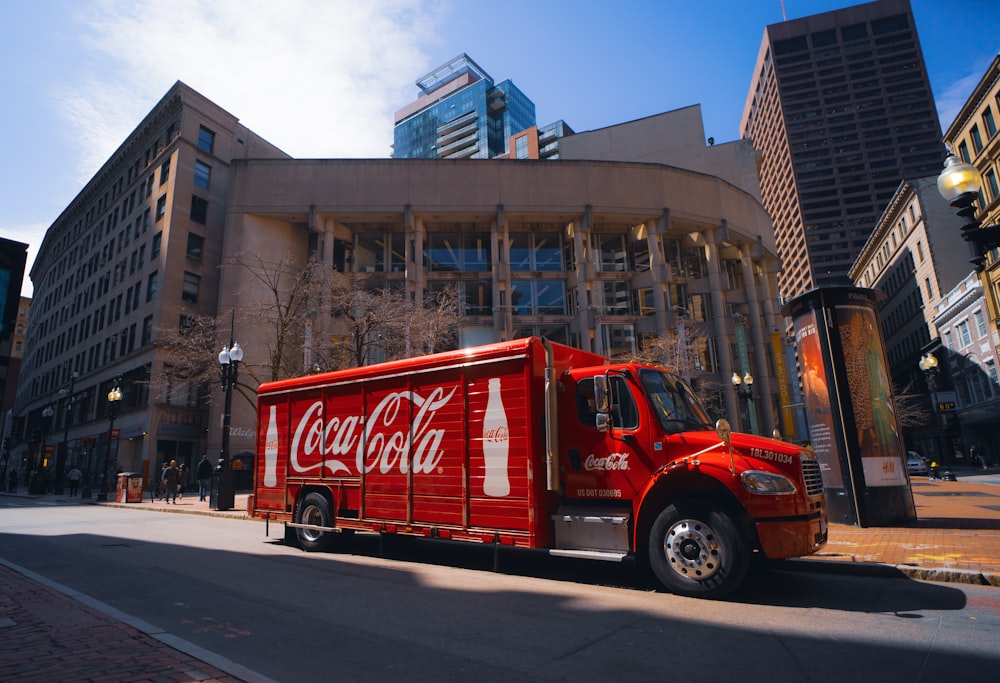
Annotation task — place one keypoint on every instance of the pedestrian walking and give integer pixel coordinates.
(183, 479)
(170, 482)
(204, 474)
(73, 477)
(976, 453)
(12, 481)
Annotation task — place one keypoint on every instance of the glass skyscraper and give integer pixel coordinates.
(461, 114)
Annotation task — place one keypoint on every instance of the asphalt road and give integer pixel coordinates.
(438, 612)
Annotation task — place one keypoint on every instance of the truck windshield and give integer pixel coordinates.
(675, 405)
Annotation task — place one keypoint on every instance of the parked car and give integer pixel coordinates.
(916, 463)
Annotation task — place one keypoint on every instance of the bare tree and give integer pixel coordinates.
(186, 362)
(285, 296)
(383, 324)
(435, 326)
(910, 408)
(678, 351)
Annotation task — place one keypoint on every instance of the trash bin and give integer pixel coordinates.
(129, 488)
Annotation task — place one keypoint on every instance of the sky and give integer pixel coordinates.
(323, 78)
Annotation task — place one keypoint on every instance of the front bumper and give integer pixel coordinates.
(797, 537)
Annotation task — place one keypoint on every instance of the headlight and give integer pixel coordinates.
(757, 481)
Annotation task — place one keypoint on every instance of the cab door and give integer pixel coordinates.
(609, 463)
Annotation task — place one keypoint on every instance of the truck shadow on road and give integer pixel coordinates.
(777, 584)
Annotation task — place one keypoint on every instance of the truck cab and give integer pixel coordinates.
(645, 470)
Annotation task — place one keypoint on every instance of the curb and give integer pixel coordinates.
(969, 577)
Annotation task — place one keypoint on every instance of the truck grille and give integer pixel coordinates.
(812, 477)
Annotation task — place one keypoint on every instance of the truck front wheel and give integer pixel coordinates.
(697, 551)
(314, 511)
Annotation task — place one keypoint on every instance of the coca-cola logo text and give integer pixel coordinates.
(614, 461)
(373, 445)
(500, 433)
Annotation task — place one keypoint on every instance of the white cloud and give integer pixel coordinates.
(950, 102)
(317, 79)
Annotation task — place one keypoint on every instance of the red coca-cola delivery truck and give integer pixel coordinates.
(534, 444)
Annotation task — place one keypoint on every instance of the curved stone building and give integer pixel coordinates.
(592, 253)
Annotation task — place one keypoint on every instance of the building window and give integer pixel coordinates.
(920, 250)
(476, 295)
(930, 291)
(457, 252)
(202, 174)
(538, 297)
(161, 207)
(521, 147)
(556, 333)
(192, 283)
(980, 320)
(147, 330)
(991, 182)
(988, 122)
(612, 252)
(618, 340)
(194, 246)
(538, 251)
(206, 139)
(165, 172)
(151, 286)
(639, 253)
(157, 241)
(199, 210)
(376, 249)
(977, 139)
(963, 151)
(617, 298)
(964, 338)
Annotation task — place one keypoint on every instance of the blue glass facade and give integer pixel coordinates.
(474, 123)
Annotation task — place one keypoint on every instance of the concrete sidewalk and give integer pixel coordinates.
(49, 633)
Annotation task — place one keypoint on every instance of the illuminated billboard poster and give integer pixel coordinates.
(816, 396)
(848, 402)
(872, 399)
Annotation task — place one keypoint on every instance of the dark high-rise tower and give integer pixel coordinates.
(840, 109)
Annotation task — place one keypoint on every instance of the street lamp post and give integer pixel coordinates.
(929, 366)
(960, 183)
(229, 362)
(114, 398)
(37, 484)
(67, 411)
(744, 391)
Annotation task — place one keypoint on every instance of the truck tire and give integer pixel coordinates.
(314, 510)
(696, 550)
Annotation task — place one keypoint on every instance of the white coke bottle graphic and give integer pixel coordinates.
(271, 450)
(496, 443)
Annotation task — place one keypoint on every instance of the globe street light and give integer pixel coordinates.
(928, 364)
(744, 391)
(229, 362)
(114, 399)
(960, 183)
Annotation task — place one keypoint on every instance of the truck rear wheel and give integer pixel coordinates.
(697, 551)
(315, 511)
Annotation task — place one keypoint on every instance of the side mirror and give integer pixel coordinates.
(601, 400)
(723, 429)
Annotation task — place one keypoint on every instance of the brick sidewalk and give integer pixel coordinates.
(46, 636)
(956, 537)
